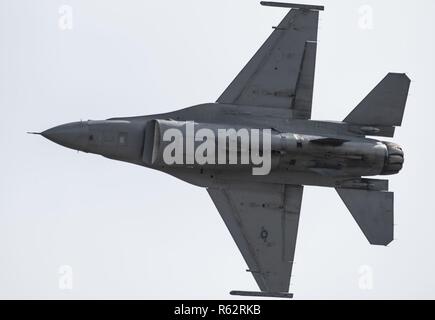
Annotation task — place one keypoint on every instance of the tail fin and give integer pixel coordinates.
(385, 105)
(374, 213)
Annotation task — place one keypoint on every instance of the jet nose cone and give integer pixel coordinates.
(71, 135)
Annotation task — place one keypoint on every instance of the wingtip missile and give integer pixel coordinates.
(292, 5)
(262, 294)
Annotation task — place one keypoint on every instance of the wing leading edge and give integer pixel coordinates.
(281, 73)
(263, 221)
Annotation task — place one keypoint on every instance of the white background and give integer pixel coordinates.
(129, 232)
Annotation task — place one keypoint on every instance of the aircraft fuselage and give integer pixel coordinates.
(304, 152)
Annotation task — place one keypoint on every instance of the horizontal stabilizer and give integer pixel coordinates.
(374, 213)
(385, 105)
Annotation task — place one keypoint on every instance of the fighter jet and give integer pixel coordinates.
(256, 148)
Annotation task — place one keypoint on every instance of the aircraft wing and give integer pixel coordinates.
(263, 220)
(281, 73)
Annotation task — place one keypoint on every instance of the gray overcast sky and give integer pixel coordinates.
(112, 224)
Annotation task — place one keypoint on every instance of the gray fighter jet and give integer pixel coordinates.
(272, 99)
